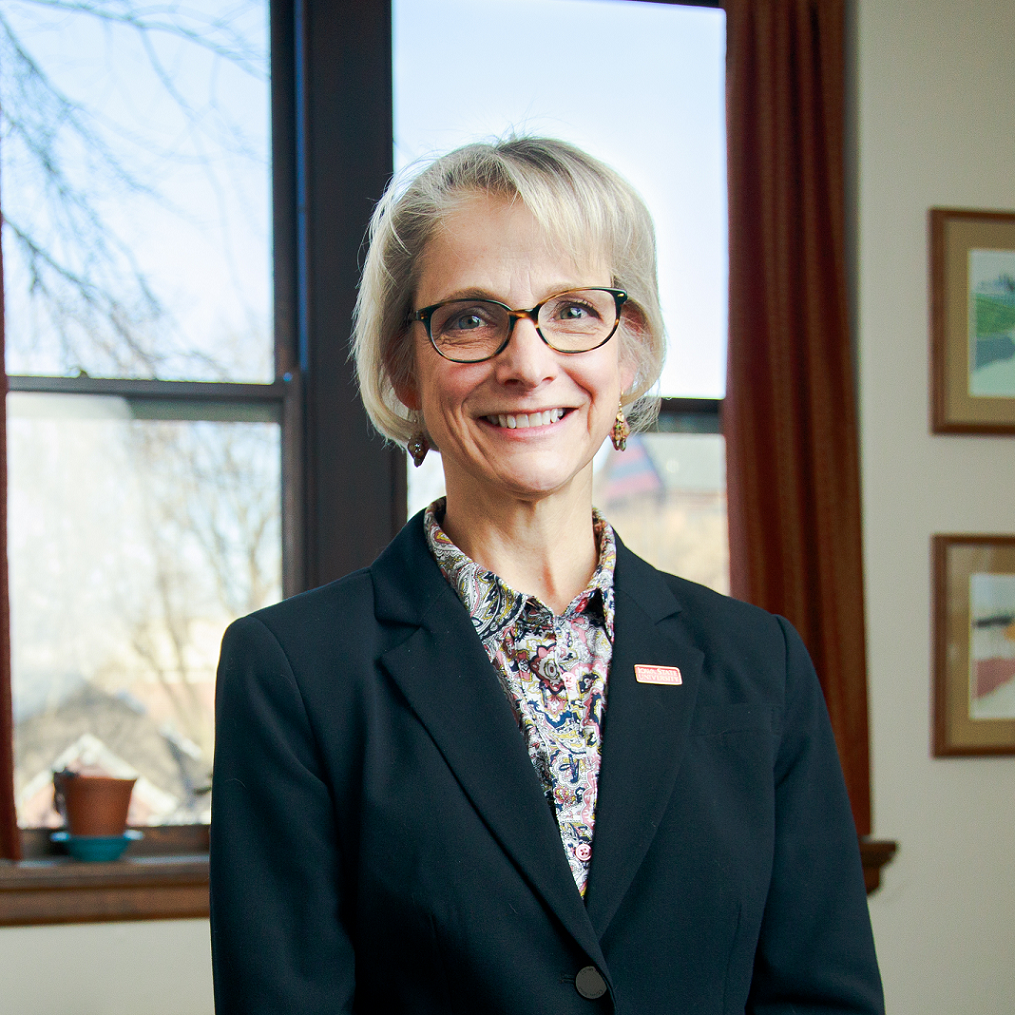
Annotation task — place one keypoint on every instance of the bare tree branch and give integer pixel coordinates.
(83, 277)
(214, 34)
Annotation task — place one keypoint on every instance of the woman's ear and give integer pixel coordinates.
(408, 394)
(632, 325)
(401, 369)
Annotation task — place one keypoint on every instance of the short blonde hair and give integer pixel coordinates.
(591, 208)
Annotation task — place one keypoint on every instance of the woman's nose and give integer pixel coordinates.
(527, 359)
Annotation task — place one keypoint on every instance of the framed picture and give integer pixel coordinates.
(974, 645)
(972, 264)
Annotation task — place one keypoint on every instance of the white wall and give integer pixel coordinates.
(936, 127)
(157, 968)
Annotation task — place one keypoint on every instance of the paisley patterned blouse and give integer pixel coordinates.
(553, 670)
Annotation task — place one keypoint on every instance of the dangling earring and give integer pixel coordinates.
(417, 447)
(620, 431)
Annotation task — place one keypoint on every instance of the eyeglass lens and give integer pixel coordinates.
(570, 322)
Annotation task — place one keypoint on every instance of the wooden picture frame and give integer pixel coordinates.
(972, 267)
(974, 645)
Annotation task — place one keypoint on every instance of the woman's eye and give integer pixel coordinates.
(466, 322)
(460, 320)
(575, 312)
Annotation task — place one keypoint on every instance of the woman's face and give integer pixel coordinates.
(492, 248)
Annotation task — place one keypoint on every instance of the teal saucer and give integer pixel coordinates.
(96, 848)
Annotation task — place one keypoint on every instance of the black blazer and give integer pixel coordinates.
(380, 841)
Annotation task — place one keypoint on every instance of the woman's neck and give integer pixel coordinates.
(546, 547)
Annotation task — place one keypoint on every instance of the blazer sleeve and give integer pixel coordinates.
(816, 949)
(278, 940)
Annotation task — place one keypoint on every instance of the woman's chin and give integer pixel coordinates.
(531, 481)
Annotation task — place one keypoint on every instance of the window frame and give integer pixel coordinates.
(166, 875)
(332, 120)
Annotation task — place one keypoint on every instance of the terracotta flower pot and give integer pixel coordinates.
(92, 804)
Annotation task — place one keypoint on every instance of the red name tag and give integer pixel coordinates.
(657, 675)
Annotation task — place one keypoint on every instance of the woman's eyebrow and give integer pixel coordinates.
(471, 293)
(478, 293)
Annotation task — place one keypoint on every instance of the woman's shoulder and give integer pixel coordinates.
(636, 573)
(322, 630)
(729, 632)
(338, 604)
(362, 611)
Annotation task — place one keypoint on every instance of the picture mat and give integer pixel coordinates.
(956, 560)
(992, 646)
(991, 325)
(955, 235)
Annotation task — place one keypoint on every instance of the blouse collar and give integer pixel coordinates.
(494, 606)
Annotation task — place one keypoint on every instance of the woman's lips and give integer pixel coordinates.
(520, 420)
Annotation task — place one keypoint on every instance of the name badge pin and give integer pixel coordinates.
(657, 675)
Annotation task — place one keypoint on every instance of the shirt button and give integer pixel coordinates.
(590, 983)
(583, 851)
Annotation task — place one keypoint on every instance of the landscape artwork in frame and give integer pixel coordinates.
(973, 320)
(974, 645)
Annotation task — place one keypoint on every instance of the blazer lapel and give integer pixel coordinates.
(445, 675)
(645, 734)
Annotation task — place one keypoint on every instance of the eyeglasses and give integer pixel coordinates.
(470, 331)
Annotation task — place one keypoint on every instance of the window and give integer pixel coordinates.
(286, 417)
(144, 441)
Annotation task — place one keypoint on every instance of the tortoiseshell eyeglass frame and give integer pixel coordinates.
(425, 315)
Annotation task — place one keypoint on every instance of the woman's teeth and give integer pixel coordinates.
(528, 419)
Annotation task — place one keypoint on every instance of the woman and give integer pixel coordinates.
(511, 767)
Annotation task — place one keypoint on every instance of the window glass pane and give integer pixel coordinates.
(133, 543)
(666, 496)
(136, 189)
(640, 85)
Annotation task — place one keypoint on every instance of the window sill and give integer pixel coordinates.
(47, 888)
(875, 855)
(68, 891)
(163, 877)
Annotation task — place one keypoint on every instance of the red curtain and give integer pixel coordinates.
(10, 845)
(790, 412)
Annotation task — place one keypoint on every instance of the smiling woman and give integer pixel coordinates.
(510, 475)
(510, 752)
